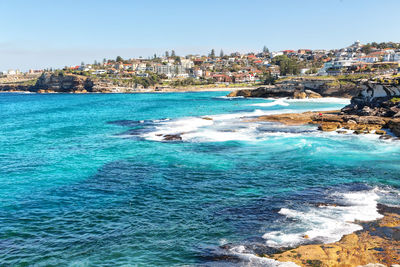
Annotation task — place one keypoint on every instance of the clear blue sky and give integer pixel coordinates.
(55, 33)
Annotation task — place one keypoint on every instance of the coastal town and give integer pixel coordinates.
(217, 69)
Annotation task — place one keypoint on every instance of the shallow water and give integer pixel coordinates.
(86, 180)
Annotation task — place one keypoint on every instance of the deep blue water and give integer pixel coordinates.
(86, 180)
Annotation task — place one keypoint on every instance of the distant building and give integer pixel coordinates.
(170, 70)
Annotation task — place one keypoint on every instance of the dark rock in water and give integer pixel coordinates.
(266, 91)
(386, 137)
(172, 137)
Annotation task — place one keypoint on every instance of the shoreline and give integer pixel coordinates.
(377, 243)
(164, 90)
(334, 120)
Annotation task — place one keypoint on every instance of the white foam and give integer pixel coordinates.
(333, 100)
(229, 97)
(279, 102)
(326, 224)
(213, 128)
(250, 259)
(218, 128)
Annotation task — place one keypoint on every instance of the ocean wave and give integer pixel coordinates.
(279, 102)
(316, 223)
(216, 128)
(333, 100)
(249, 259)
(326, 223)
(229, 97)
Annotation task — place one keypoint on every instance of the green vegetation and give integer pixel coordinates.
(268, 78)
(395, 100)
(287, 65)
(190, 82)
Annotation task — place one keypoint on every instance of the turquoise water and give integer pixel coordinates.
(86, 180)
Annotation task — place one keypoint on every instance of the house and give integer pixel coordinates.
(287, 52)
(304, 51)
(274, 54)
(369, 59)
(222, 78)
(274, 70)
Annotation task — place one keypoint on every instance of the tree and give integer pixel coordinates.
(366, 49)
(119, 59)
(221, 54)
(268, 78)
(82, 63)
(155, 56)
(287, 65)
(173, 53)
(212, 54)
(166, 54)
(104, 61)
(95, 62)
(265, 50)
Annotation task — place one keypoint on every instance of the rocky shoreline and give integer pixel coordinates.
(302, 87)
(77, 84)
(342, 123)
(377, 243)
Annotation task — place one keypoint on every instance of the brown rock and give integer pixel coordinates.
(312, 94)
(299, 95)
(329, 126)
(359, 248)
(380, 132)
(394, 126)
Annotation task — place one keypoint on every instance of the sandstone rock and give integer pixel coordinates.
(329, 126)
(380, 132)
(299, 95)
(312, 94)
(369, 246)
(372, 265)
(63, 83)
(289, 118)
(207, 118)
(361, 132)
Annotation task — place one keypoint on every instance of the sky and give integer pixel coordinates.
(47, 33)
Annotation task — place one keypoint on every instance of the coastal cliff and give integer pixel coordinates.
(303, 88)
(51, 83)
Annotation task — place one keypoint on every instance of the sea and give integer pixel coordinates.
(88, 179)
